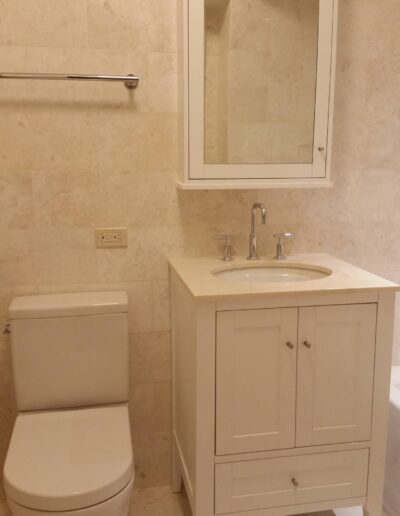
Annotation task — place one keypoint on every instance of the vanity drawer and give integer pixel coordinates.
(261, 484)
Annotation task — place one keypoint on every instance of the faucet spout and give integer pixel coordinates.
(263, 214)
(253, 238)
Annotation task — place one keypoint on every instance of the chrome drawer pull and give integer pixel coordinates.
(307, 344)
(290, 345)
(294, 482)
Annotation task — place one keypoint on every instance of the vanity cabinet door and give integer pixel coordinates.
(256, 380)
(335, 374)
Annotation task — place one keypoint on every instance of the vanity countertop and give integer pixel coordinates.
(197, 274)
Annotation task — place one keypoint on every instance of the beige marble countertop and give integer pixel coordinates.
(197, 274)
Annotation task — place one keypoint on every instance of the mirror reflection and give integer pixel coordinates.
(260, 80)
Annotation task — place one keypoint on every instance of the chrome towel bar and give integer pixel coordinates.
(130, 81)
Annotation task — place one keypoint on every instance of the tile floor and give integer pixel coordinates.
(160, 501)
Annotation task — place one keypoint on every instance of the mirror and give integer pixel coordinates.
(260, 80)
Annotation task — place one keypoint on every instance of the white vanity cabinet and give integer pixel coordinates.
(280, 398)
(294, 377)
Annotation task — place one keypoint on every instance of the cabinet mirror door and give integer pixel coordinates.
(260, 89)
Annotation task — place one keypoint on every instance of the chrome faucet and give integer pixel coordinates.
(253, 238)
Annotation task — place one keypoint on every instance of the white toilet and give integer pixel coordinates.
(70, 453)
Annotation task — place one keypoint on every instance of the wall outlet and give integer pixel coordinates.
(111, 237)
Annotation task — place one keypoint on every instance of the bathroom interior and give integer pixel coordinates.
(198, 258)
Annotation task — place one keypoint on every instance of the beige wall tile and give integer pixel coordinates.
(144, 259)
(141, 306)
(63, 199)
(150, 418)
(160, 151)
(162, 32)
(152, 459)
(160, 209)
(66, 256)
(150, 357)
(43, 23)
(163, 79)
(117, 24)
(16, 199)
(161, 321)
(151, 403)
(16, 261)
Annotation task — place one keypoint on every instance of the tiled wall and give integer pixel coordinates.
(77, 156)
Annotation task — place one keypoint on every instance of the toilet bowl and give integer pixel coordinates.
(118, 506)
(70, 452)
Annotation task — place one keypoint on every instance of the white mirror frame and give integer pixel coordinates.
(198, 175)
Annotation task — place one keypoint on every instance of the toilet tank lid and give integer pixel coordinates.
(70, 304)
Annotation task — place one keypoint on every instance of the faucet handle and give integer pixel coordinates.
(281, 237)
(227, 239)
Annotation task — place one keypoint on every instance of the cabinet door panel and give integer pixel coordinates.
(256, 380)
(335, 374)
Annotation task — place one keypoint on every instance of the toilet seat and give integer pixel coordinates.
(68, 460)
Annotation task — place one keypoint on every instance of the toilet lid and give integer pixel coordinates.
(67, 460)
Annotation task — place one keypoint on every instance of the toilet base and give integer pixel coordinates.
(118, 505)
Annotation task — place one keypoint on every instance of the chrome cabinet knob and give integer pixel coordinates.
(290, 345)
(307, 344)
(294, 482)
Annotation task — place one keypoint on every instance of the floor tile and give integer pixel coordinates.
(160, 501)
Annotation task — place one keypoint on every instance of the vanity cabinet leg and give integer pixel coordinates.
(176, 480)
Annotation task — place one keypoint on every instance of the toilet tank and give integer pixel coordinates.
(70, 350)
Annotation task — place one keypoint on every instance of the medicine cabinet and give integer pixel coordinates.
(256, 94)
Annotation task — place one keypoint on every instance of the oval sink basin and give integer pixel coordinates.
(273, 274)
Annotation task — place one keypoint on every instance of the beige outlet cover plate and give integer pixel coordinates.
(111, 237)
